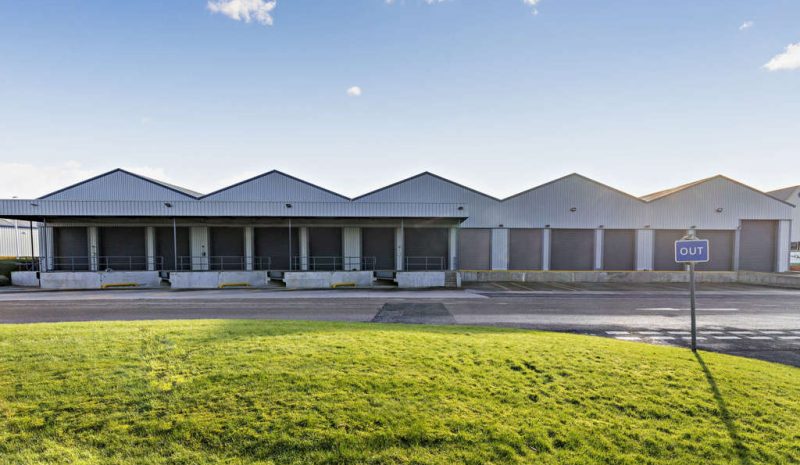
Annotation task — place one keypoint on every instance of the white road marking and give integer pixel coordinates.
(673, 309)
(659, 338)
(741, 332)
(617, 332)
(689, 338)
(726, 337)
(761, 338)
(628, 338)
(773, 332)
(789, 338)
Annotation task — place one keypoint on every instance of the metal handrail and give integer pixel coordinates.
(425, 263)
(224, 263)
(314, 263)
(28, 265)
(99, 263)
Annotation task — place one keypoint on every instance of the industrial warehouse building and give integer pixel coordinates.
(18, 238)
(120, 228)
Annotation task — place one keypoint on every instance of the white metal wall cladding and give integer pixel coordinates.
(594, 205)
(698, 206)
(118, 185)
(9, 238)
(499, 249)
(275, 186)
(483, 210)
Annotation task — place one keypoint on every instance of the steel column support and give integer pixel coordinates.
(93, 236)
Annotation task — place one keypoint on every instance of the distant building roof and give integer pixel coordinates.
(787, 193)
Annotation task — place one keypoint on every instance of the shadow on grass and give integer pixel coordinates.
(244, 329)
(725, 414)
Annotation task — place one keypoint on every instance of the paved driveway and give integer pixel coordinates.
(744, 320)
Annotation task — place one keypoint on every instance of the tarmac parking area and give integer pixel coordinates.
(745, 320)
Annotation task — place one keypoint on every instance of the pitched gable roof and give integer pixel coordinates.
(109, 186)
(573, 176)
(787, 193)
(668, 192)
(275, 185)
(673, 190)
(422, 175)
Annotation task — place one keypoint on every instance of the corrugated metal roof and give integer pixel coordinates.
(573, 201)
(421, 175)
(672, 190)
(211, 208)
(785, 194)
(570, 176)
(119, 184)
(666, 193)
(277, 186)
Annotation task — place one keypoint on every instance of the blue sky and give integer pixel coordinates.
(642, 95)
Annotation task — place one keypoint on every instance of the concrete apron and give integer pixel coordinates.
(784, 280)
(327, 280)
(598, 276)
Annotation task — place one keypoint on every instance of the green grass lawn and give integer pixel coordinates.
(242, 392)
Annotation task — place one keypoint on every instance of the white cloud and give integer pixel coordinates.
(245, 10)
(28, 181)
(354, 91)
(746, 25)
(532, 4)
(788, 60)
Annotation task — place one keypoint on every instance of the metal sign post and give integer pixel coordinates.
(692, 250)
(693, 306)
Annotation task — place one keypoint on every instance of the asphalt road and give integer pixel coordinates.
(750, 321)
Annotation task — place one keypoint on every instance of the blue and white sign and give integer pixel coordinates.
(692, 250)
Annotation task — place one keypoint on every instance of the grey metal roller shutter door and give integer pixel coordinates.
(475, 249)
(71, 249)
(426, 242)
(325, 242)
(664, 253)
(227, 248)
(379, 243)
(273, 244)
(758, 242)
(165, 245)
(722, 245)
(124, 247)
(572, 249)
(619, 249)
(525, 249)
